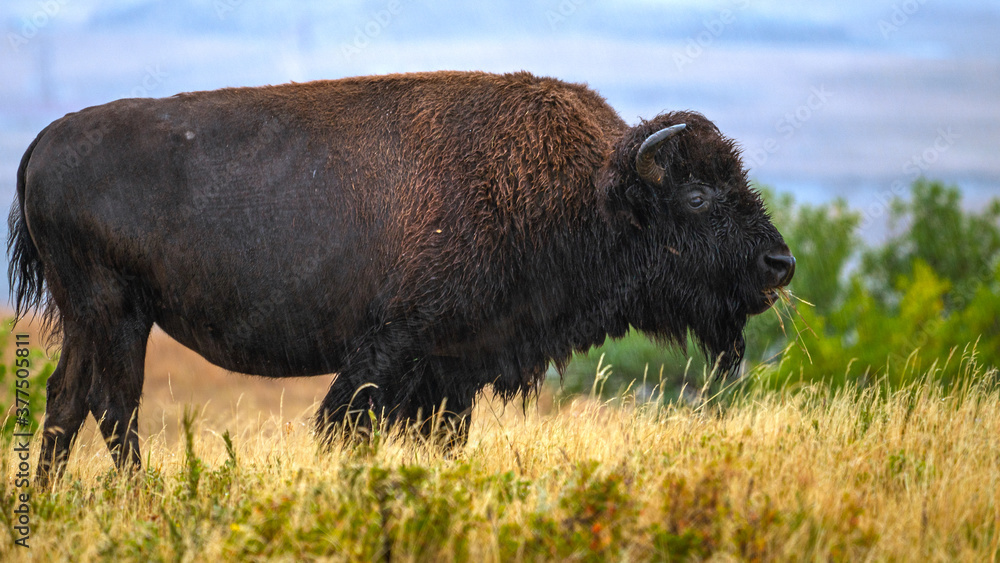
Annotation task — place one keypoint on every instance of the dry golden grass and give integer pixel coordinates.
(176, 376)
(804, 475)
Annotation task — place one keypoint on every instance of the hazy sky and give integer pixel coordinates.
(851, 98)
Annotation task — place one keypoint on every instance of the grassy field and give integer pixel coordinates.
(803, 474)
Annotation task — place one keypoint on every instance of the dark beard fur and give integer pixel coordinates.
(723, 344)
(720, 340)
(726, 363)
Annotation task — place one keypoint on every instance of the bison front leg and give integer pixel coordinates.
(441, 405)
(66, 409)
(347, 411)
(357, 397)
(444, 423)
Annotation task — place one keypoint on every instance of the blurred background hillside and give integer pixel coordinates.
(854, 100)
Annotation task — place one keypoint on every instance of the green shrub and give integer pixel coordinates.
(858, 310)
(22, 392)
(930, 292)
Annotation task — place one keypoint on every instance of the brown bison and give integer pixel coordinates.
(423, 235)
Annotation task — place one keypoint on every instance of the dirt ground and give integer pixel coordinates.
(177, 377)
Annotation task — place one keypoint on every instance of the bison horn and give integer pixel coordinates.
(645, 162)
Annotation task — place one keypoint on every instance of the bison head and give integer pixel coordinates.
(706, 255)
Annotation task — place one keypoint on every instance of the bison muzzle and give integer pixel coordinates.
(422, 235)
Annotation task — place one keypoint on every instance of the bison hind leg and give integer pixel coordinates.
(101, 372)
(66, 409)
(116, 389)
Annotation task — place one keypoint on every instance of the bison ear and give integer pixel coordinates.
(645, 161)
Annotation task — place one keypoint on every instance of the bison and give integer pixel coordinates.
(422, 235)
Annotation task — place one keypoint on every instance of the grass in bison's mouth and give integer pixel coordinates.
(784, 307)
(782, 294)
(770, 296)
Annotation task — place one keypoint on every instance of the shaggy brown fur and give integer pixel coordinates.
(424, 235)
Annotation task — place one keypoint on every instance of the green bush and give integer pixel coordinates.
(930, 292)
(878, 312)
(23, 397)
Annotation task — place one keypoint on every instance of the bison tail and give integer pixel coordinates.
(26, 273)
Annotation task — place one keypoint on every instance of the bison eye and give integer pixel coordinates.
(697, 201)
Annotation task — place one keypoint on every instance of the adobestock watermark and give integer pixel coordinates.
(31, 26)
(922, 161)
(151, 80)
(789, 124)
(915, 166)
(212, 193)
(959, 296)
(714, 27)
(377, 23)
(223, 8)
(563, 12)
(21, 442)
(76, 150)
(267, 311)
(900, 16)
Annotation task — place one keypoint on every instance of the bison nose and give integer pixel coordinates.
(781, 265)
